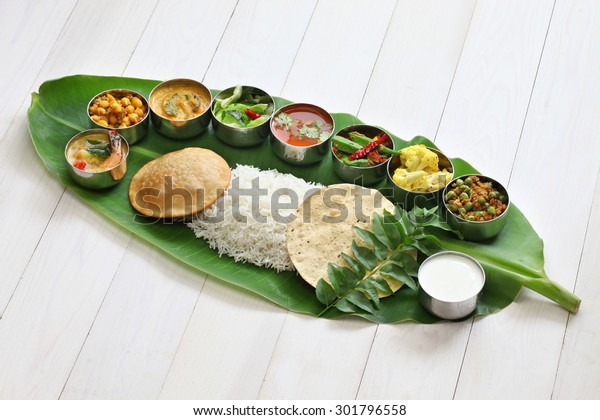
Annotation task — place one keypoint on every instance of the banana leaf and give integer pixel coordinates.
(512, 260)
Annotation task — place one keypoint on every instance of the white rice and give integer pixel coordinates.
(260, 242)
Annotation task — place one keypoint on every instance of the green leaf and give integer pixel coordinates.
(365, 256)
(58, 111)
(398, 273)
(381, 284)
(325, 292)
(404, 220)
(345, 306)
(340, 282)
(380, 249)
(406, 261)
(359, 299)
(387, 233)
(357, 267)
(370, 291)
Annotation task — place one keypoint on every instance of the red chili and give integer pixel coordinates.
(80, 164)
(253, 115)
(361, 153)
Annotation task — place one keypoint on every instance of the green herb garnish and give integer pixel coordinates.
(309, 132)
(391, 244)
(170, 105)
(285, 120)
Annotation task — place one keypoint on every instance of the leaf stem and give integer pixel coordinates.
(555, 292)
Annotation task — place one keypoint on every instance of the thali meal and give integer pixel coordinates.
(323, 228)
(244, 225)
(419, 170)
(180, 99)
(475, 200)
(118, 108)
(302, 125)
(179, 184)
(361, 150)
(243, 108)
(349, 242)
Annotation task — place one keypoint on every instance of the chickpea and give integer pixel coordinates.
(95, 118)
(125, 101)
(126, 121)
(102, 122)
(112, 120)
(122, 125)
(133, 118)
(129, 109)
(140, 112)
(101, 111)
(116, 107)
(93, 109)
(136, 102)
(104, 103)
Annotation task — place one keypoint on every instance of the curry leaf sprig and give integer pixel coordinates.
(391, 246)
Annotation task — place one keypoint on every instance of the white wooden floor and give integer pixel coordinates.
(512, 86)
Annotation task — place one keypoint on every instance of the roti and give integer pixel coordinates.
(179, 184)
(322, 229)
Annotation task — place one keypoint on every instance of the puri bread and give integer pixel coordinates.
(322, 229)
(179, 184)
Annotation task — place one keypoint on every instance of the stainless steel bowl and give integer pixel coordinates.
(409, 199)
(357, 175)
(180, 129)
(440, 304)
(133, 133)
(301, 155)
(98, 180)
(241, 137)
(474, 230)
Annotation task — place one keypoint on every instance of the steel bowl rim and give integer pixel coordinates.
(476, 222)
(142, 97)
(391, 178)
(95, 131)
(242, 129)
(275, 113)
(362, 168)
(463, 255)
(184, 80)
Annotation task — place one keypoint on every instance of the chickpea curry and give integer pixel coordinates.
(118, 109)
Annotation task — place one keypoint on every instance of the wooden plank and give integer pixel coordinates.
(180, 40)
(579, 368)
(54, 307)
(416, 65)
(335, 60)
(415, 361)
(135, 335)
(73, 53)
(231, 335)
(318, 359)
(260, 44)
(578, 374)
(43, 329)
(528, 336)
(227, 346)
(28, 30)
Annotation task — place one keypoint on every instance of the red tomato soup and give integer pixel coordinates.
(302, 125)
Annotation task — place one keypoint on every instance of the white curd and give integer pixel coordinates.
(451, 277)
